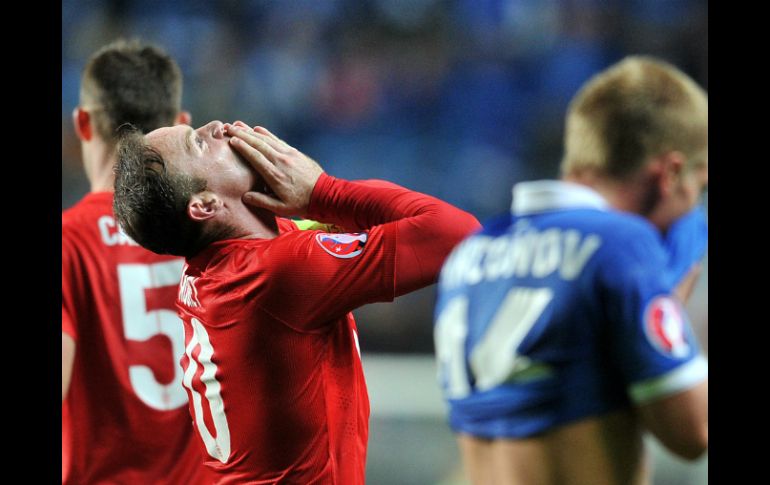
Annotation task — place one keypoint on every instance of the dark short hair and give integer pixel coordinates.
(151, 199)
(131, 82)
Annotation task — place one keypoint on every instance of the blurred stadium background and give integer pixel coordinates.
(455, 98)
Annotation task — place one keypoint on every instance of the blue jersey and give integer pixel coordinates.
(559, 311)
(685, 243)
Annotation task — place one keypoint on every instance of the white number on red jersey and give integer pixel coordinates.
(217, 445)
(140, 324)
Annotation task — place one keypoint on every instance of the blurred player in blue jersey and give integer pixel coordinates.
(560, 334)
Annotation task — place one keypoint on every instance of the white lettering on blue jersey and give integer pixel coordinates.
(524, 252)
(548, 318)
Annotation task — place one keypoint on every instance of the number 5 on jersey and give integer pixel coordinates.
(141, 324)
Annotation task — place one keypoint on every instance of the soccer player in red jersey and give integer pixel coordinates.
(272, 365)
(123, 404)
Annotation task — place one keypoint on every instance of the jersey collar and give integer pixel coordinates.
(548, 195)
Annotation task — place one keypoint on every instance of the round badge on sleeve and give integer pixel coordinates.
(664, 326)
(342, 245)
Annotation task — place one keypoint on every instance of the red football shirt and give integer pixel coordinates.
(271, 361)
(124, 419)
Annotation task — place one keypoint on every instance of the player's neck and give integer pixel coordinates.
(632, 195)
(98, 162)
(251, 223)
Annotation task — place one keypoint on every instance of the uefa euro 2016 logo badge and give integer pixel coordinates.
(664, 325)
(342, 245)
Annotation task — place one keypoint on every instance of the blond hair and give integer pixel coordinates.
(639, 108)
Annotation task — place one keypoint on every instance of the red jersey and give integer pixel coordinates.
(272, 364)
(124, 419)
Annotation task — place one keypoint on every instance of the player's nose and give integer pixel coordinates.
(214, 129)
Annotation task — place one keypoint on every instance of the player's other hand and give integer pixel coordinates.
(289, 174)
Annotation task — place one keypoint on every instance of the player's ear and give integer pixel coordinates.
(183, 118)
(672, 165)
(81, 120)
(203, 205)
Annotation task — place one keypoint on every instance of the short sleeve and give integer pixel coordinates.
(650, 336)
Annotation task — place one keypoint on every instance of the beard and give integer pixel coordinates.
(649, 200)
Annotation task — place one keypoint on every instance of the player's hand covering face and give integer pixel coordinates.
(289, 175)
(206, 153)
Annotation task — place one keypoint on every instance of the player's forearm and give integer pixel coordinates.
(427, 228)
(365, 204)
(680, 421)
(331, 227)
(424, 242)
(67, 359)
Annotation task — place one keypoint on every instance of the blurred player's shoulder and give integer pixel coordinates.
(613, 226)
(496, 225)
(625, 228)
(84, 219)
(89, 206)
(91, 221)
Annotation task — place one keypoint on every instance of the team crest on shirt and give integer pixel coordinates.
(664, 326)
(342, 245)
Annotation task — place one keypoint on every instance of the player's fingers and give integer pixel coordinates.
(256, 158)
(229, 127)
(256, 140)
(263, 201)
(264, 131)
(274, 141)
